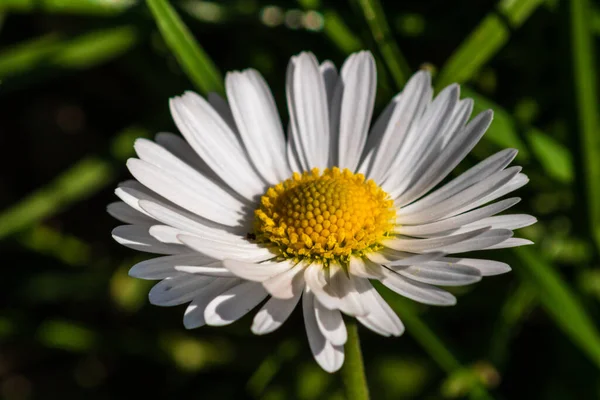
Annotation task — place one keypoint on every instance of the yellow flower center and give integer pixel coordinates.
(325, 216)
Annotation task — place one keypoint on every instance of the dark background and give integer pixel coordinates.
(80, 81)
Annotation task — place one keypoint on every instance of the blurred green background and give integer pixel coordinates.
(81, 79)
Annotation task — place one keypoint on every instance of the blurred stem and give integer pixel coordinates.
(353, 370)
(584, 81)
(395, 61)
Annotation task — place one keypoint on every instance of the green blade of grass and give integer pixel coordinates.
(556, 159)
(584, 81)
(53, 51)
(340, 34)
(395, 61)
(485, 41)
(82, 7)
(559, 301)
(191, 57)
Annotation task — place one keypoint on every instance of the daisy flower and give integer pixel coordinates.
(244, 214)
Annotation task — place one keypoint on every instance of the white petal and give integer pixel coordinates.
(292, 154)
(343, 286)
(449, 225)
(516, 182)
(287, 284)
(125, 213)
(221, 250)
(317, 279)
(258, 122)
(442, 273)
(421, 292)
(220, 105)
(194, 314)
(188, 222)
(475, 174)
(364, 268)
(308, 108)
(234, 303)
(330, 77)
(257, 272)
(479, 242)
(177, 146)
(178, 289)
(459, 118)
(215, 269)
(381, 318)
(137, 237)
(355, 93)
(511, 221)
(216, 143)
(330, 324)
(393, 257)
(430, 244)
(425, 140)
(199, 199)
(458, 147)
(131, 192)
(512, 242)
(389, 133)
(486, 267)
(164, 267)
(328, 356)
(165, 234)
(159, 157)
(468, 199)
(273, 314)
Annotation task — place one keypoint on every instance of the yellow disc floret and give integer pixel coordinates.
(325, 216)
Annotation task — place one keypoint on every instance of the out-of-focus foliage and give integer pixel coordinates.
(81, 79)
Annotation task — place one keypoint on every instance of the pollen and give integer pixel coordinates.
(325, 216)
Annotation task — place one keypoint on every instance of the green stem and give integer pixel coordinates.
(353, 371)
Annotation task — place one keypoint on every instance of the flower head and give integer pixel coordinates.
(242, 213)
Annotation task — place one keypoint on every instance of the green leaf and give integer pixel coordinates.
(340, 34)
(584, 81)
(484, 42)
(191, 57)
(67, 335)
(559, 301)
(54, 51)
(555, 158)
